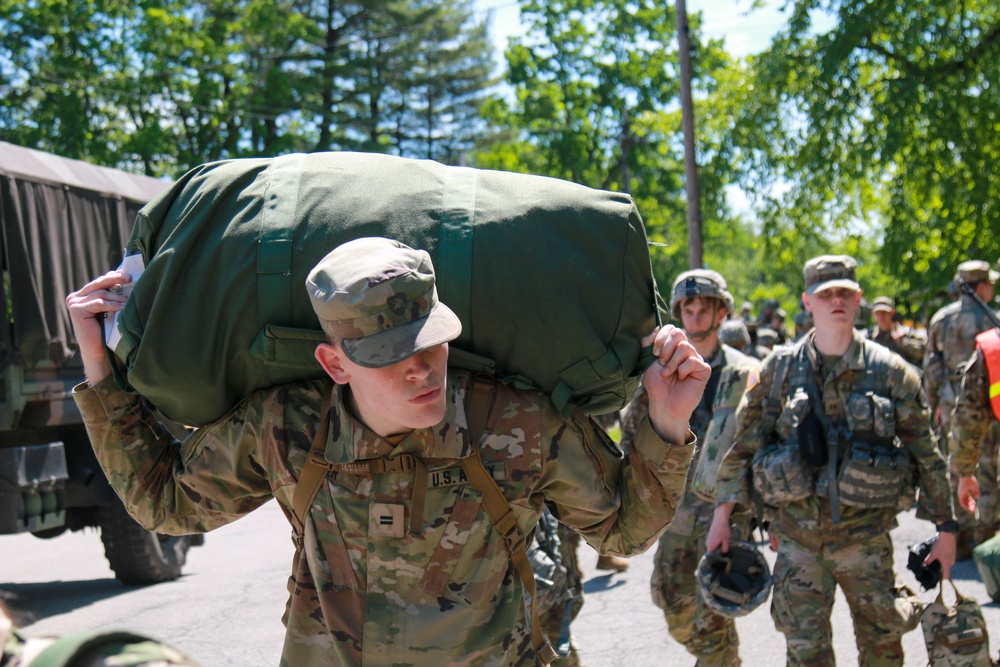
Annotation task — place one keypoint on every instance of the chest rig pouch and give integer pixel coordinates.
(780, 474)
(877, 468)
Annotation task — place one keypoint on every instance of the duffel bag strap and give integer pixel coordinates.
(500, 511)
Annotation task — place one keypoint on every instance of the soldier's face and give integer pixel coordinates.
(834, 307)
(884, 319)
(396, 399)
(700, 316)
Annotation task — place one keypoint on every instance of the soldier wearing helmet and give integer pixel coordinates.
(700, 299)
(951, 342)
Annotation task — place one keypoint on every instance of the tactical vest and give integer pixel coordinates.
(738, 372)
(989, 343)
(866, 465)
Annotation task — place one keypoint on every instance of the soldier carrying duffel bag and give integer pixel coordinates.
(418, 482)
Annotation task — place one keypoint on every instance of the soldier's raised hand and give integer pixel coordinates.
(87, 307)
(674, 382)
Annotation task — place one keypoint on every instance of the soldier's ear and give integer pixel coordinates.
(329, 357)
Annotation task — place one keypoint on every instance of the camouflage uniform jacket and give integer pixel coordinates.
(902, 341)
(714, 424)
(370, 590)
(951, 339)
(972, 417)
(912, 427)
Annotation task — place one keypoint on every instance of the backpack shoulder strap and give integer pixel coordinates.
(498, 507)
(310, 480)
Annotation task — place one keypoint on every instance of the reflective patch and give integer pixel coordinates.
(385, 520)
(455, 476)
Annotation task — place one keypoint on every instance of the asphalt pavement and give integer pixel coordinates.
(225, 610)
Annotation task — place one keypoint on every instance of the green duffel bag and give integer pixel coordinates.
(552, 280)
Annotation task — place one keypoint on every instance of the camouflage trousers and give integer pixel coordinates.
(710, 637)
(806, 576)
(556, 621)
(971, 531)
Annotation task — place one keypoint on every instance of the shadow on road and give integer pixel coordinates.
(36, 601)
(604, 582)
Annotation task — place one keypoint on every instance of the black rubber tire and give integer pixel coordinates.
(136, 555)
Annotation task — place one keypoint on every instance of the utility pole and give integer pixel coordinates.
(626, 142)
(690, 155)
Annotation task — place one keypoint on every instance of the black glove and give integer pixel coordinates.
(929, 576)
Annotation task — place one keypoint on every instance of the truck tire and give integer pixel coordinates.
(136, 555)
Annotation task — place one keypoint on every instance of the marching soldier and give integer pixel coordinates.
(951, 341)
(700, 299)
(828, 440)
(890, 333)
(400, 560)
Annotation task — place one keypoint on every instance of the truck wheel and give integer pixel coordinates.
(136, 555)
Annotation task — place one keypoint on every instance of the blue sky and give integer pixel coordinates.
(745, 31)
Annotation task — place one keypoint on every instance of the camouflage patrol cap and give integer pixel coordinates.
(700, 282)
(379, 298)
(829, 271)
(977, 271)
(883, 303)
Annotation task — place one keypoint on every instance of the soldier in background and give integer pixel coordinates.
(892, 334)
(767, 338)
(974, 440)
(734, 334)
(951, 341)
(700, 299)
(818, 403)
(778, 325)
(803, 323)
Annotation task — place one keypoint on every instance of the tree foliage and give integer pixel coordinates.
(594, 89)
(161, 85)
(884, 125)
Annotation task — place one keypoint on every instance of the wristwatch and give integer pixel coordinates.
(949, 526)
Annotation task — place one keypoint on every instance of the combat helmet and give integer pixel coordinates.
(700, 282)
(734, 583)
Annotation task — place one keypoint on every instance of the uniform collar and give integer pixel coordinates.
(853, 359)
(350, 440)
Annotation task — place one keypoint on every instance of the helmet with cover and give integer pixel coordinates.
(736, 582)
(700, 282)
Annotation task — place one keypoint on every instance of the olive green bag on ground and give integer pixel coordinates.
(552, 280)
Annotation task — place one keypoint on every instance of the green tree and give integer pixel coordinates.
(162, 85)
(595, 90)
(883, 125)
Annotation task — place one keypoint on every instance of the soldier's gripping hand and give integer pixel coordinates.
(87, 307)
(674, 382)
(720, 532)
(968, 493)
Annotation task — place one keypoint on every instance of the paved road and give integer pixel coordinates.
(225, 611)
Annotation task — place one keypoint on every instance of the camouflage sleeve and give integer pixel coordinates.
(209, 480)
(914, 431)
(934, 368)
(734, 474)
(972, 417)
(619, 504)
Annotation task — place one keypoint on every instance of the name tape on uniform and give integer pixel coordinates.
(455, 476)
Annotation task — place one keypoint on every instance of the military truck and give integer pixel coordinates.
(62, 223)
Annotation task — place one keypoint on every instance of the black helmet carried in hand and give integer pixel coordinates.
(736, 582)
(929, 576)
